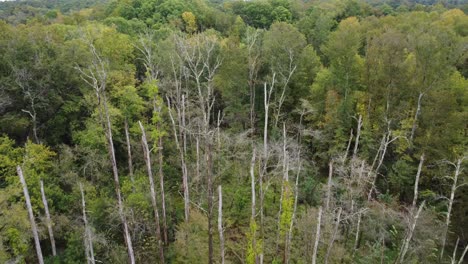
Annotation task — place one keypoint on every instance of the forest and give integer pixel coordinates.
(229, 131)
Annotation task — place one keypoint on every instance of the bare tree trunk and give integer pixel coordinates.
(335, 232)
(96, 77)
(253, 70)
(416, 115)
(31, 215)
(450, 205)
(49, 220)
(252, 218)
(182, 161)
(409, 236)
(88, 238)
(161, 183)
(454, 255)
(416, 183)
(209, 163)
(317, 236)
(129, 154)
(329, 184)
(290, 231)
(356, 238)
(463, 255)
(358, 135)
(127, 236)
(220, 223)
(154, 202)
(348, 146)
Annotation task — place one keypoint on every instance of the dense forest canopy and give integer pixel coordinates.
(262, 131)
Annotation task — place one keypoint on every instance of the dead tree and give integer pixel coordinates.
(317, 236)
(180, 147)
(416, 182)
(335, 233)
(252, 36)
(48, 220)
(154, 201)
(161, 184)
(416, 115)
(88, 240)
(220, 223)
(358, 135)
(95, 75)
(451, 200)
(409, 234)
(329, 185)
(129, 154)
(31, 215)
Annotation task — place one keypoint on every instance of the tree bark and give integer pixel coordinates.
(317, 236)
(154, 201)
(31, 215)
(220, 223)
(49, 220)
(88, 239)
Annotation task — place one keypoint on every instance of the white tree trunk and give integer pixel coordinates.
(129, 154)
(49, 220)
(358, 135)
(220, 223)
(335, 232)
(154, 201)
(88, 241)
(161, 183)
(409, 236)
(416, 182)
(450, 205)
(31, 215)
(317, 236)
(416, 115)
(329, 185)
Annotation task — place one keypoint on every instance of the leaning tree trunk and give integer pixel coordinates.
(154, 201)
(31, 215)
(49, 221)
